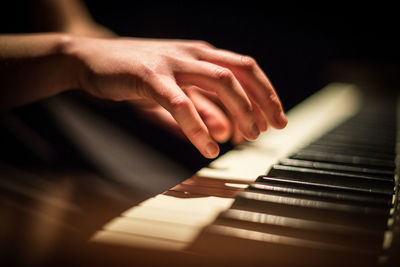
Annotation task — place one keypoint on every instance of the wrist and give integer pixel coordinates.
(66, 48)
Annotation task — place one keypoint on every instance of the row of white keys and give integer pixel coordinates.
(307, 121)
(163, 218)
(172, 223)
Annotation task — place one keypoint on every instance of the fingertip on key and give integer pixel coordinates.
(262, 125)
(254, 131)
(212, 150)
(281, 119)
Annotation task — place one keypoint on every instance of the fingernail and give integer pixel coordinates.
(212, 150)
(281, 118)
(254, 131)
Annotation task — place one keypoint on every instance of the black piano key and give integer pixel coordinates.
(312, 210)
(368, 123)
(302, 224)
(349, 152)
(360, 147)
(355, 136)
(279, 170)
(367, 128)
(358, 140)
(333, 180)
(344, 159)
(303, 229)
(309, 195)
(314, 204)
(379, 139)
(349, 185)
(335, 167)
(265, 184)
(361, 136)
(358, 126)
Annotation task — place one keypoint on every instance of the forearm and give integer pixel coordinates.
(35, 66)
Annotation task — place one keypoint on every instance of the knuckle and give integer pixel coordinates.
(274, 100)
(179, 103)
(196, 131)
(223, 75)
(201, 43)
(147, 73)
(247, 108)
(197, 48)
(193, 46)
(248, 62)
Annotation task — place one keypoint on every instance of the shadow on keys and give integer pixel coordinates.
(69, 164)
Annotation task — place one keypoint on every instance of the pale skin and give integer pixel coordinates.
(209, 94)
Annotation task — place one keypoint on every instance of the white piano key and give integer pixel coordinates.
(242, 165)
(239, 186)
(202, 205)
(162, 215)
(170, 231)
(123, 239)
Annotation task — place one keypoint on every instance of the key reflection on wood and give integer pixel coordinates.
(201, 187)
(34, 208)
(178, 215)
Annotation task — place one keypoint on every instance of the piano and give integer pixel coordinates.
(323, 191)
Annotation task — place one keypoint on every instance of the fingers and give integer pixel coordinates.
(212, 77)
(252, 78)
(237, 137)
(261, 121)
(170, 96)
(156, 114)
(214, 118)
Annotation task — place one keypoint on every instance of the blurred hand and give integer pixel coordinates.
(183, 83)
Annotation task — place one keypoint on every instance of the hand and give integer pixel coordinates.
(162, 70)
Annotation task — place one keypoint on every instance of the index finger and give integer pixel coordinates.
(171, 97)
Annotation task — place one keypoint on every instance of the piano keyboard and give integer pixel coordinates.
(321, 191)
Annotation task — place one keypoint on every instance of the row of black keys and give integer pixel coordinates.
(336, 192)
